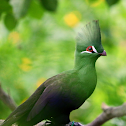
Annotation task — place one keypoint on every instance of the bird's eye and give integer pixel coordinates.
(89, 48)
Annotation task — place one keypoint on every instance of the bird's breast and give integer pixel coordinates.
(82, 88)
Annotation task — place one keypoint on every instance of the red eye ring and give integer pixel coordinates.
(89, 48)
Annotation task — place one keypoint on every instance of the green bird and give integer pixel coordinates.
(62, 93)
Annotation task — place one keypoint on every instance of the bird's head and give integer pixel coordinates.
(89, 41)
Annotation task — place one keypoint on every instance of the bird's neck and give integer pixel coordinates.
(85, 68)
(84, 62)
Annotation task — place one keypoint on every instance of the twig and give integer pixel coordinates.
(7, 99)
(108, 113)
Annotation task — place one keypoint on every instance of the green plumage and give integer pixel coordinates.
(60, 94)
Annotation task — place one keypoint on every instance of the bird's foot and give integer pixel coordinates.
(75, 124)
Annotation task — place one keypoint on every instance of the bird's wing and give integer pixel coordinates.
(42, 101)
(25, 107)
(52, 93)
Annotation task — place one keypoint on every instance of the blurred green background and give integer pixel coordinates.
(37, 41)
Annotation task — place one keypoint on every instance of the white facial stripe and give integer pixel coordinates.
(89, 51)
(94, 49)
(86, 52)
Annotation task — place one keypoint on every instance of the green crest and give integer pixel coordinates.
(90, 35)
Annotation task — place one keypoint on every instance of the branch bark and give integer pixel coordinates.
(7, 99)
(108, 113)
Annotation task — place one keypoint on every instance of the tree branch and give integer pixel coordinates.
(7, 99)
(108, 113)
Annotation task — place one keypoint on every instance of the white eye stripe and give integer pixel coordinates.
(94, 50)
(86, 52)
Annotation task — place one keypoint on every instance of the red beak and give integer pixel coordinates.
(103, 53)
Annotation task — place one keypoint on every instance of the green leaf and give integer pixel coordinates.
(111, 2)
(20, 7)
(10, 21)
(5, 6)
(50, 5)
(35, 10)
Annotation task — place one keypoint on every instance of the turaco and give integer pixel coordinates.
(67, 91)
